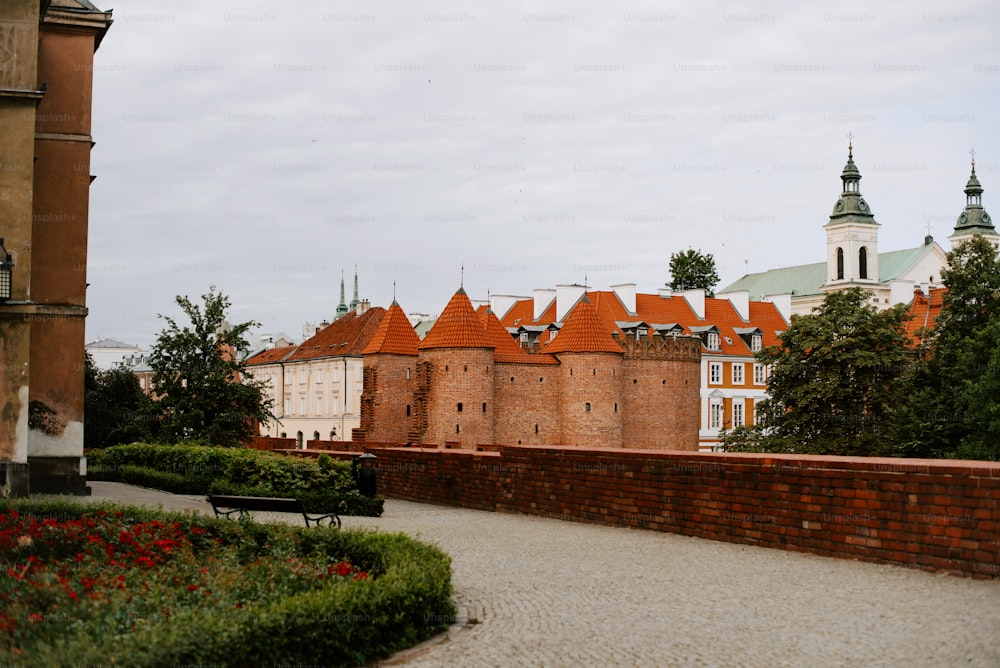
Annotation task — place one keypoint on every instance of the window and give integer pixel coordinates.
(315, 435)
(288, 406)
(319, 407)
(484, 406)
(408, 410)
(737, 413)
(460, 407)
(407, 373)
(319, 379)
(759, 374)
(715, 414)
(587, 407)
(863, 262)
(756, 342)
(641, 333)
(713, 341)
(302, 376)
(524, 337)
(737, 374)
(715, 372)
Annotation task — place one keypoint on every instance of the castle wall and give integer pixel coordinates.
(387, 399)
(660, 393)
(526, 395)
(589, 405)
(459, 405)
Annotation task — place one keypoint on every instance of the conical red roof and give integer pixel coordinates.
(582, 332)
(457, 326)
(394, 336)
(505, 348)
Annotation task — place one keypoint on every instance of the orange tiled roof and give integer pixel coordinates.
(456, 327)
(269, 356)
(394, 336)
(347, 335)
(506, 349)
(656, 310)
(583, 332)
(925, 311)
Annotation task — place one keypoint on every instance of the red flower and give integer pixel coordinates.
(36, 617)
(344, 569)
(192, 587)
(360, 575)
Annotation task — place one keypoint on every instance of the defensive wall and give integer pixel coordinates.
(927, 514)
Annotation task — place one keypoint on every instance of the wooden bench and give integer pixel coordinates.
(241, 505)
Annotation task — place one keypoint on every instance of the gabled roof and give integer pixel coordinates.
(505, 348)
(456, 327)
(348, 335)
(808, 279)
(583, 332)
(925, 311)
(394, 336)
(270, 356)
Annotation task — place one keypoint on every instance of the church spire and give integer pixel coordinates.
(342, 306)
(851, 234)
(974, 219)
(354, 302)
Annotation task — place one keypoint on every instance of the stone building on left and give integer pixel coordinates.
(46, 77)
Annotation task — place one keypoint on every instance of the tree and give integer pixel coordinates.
(203, 389)
(949, 406)
(115, 408)
(830, 384)
(693, 269)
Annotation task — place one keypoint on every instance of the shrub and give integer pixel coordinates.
(322, 487)
(156, 618)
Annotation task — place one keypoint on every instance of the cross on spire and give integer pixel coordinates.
(461, 281)
(972, 152)
(850, 142)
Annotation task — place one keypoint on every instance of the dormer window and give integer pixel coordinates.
(756, 342)
(641, 332)
(552, 333)
(713, 341)
(524, 337)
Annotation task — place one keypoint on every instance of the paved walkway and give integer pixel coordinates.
(542, 592)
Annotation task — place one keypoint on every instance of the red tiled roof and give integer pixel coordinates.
(394, 336)
(506, 349)
(925, 311)
(269, 356)
(347, 335)
(583, 332)
(456, 327)
(656, 310)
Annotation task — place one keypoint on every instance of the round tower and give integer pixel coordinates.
(974, 219)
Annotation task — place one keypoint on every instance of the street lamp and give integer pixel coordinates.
(6, 267)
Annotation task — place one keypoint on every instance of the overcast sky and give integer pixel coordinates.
(264, 147)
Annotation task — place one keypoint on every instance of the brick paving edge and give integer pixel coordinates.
(403, 656)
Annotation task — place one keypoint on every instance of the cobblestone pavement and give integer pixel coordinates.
(544, 592)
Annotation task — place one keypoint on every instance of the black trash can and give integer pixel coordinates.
(365, 474)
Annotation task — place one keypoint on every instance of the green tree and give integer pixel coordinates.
(693, 269)
(115, 408)
(949, 405)
(202, 386)
(831, 379)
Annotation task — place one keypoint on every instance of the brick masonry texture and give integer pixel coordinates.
(928, 514)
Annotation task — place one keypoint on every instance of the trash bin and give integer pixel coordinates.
(365, 474)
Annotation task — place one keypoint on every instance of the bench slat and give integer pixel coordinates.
(241, 504)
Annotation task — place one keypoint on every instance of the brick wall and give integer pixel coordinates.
(930, 514)
(268, 443)
(459, 377)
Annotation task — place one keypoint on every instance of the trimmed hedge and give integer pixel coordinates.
(406, 600)
(323, 485)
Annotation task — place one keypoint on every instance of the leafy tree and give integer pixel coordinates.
(693, 269)
(203, 389)
(830, 386)
(115, 408)
(949, 404)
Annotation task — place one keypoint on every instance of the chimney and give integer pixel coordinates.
(566, 297)
(626, 294)
(500, 304)
(665, 293)
(740, 301)
(362, 307)
(696, 300)
(543, 297)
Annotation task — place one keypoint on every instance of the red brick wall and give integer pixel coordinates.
(661, 404)
(268, 443)
(460, 376)
(525, 396)
(387, 393)
(930, 514)
(595, 379)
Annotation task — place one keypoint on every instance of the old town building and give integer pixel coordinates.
(46, 77)
(569, 367)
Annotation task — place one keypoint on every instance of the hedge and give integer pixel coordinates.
(323, 485)
(407, 600)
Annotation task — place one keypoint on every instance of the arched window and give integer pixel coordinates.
(840, 264)
(863, 262)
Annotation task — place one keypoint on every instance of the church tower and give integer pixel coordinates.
(342, 306)
(974, 219)
(851, 236)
